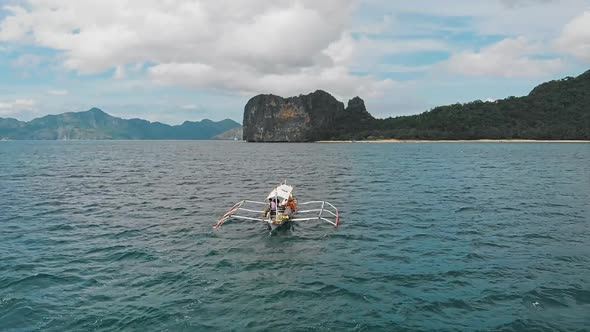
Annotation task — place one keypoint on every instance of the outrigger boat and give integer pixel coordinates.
(281, 216)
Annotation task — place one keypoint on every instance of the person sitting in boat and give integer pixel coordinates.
(290, 207)
(271, 208)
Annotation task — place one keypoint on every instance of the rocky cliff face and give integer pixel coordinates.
(270, 118)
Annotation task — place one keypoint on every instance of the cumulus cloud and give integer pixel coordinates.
(575, 37)
(247, 81)
(255, 46)
(509, 58)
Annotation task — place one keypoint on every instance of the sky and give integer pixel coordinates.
(177, 60)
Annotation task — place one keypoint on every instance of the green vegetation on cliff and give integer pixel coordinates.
(554, 110)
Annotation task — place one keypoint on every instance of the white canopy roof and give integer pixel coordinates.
(282, 192)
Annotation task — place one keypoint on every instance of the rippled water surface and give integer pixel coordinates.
(110, 236)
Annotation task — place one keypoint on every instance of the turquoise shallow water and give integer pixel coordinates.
(112, 236)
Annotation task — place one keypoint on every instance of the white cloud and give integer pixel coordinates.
(17, 106)
(575, 37)
(509, 58)
(335, 80)
(533, 18)
(58, 92)
(189, 107)
(255, 46)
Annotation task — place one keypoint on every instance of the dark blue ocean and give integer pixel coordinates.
(117, 236)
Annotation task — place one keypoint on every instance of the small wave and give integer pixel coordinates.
(466, 209)
(537, 236)
(333, 290)
(475, 256)
(549, 204)
(43, 280)
(508, 208)
(19, 314)
(54, 211)
(132, 255)
(417, 279)
(106, 249)
(526, 325)
(573, 259)
(212, 253)
(7, 219)
(421, 236)
(187, 183)
(291, 294)
(127, 233)
(460, 283)
(469, 232)
(24, 267)
(440, 306)
(392, 257)
(223, 263)
(500, 298)
(91, 205)
(62, 227)
(351, 237)
(479, 243)
(488, 167)
(319, 284)
(92, 322)
(558, 296)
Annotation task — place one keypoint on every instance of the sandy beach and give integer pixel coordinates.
(460, 141)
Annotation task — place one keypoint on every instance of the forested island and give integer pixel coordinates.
(555, 110)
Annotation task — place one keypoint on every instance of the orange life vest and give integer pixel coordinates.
(292, 205)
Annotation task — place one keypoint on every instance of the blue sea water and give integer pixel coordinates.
(117, 236)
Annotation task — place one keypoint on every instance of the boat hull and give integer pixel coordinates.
(280, 224)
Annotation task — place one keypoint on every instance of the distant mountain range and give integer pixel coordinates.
(555, 110)
(95, 124)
